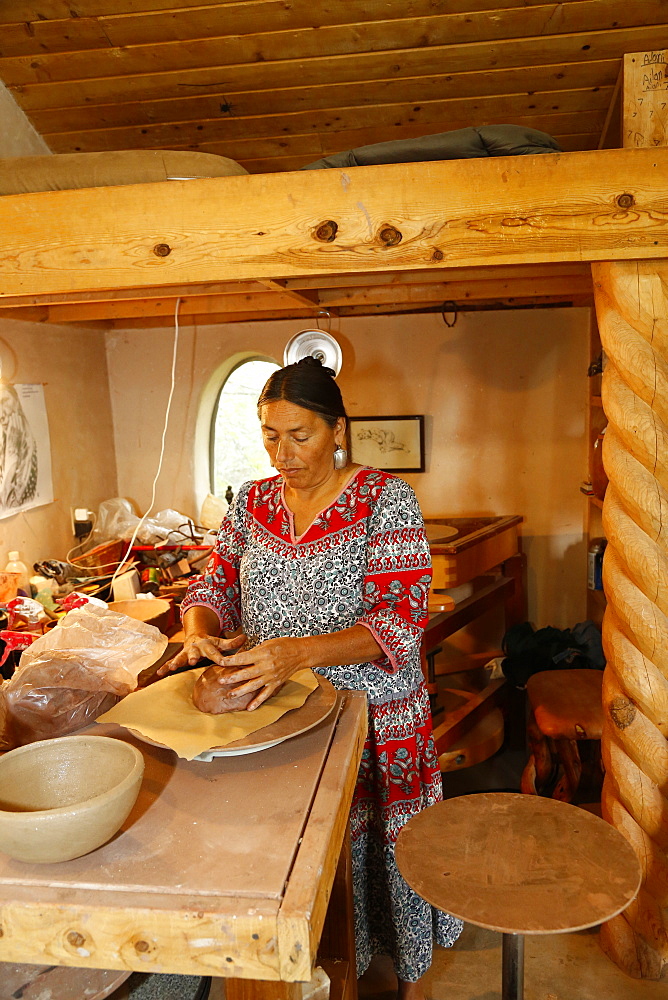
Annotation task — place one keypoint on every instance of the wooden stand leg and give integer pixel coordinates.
(512, 984)
(538, 773)
(569, 783)
(336, 953)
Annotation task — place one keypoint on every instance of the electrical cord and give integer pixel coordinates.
(162, 447)
(81, 544)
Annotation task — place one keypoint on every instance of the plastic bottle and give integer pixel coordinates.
(595, 563)
(39, 583)
(16, 566)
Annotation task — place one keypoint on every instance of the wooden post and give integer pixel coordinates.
(632, 309)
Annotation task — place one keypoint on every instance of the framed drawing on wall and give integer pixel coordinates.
(394, 444)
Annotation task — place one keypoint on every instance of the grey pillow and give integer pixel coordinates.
(461, 144)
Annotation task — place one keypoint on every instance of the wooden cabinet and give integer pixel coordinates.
(483, 551)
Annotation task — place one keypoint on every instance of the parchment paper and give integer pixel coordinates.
(164, 712)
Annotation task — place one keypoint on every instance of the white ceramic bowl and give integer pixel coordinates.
(64, 797)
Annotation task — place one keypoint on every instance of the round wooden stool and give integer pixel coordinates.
(518, 864)
(37, 982)
(566, 708)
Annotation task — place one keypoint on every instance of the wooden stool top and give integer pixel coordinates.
(567, 704)
(518, 864)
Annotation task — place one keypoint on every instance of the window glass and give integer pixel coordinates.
(237, 452)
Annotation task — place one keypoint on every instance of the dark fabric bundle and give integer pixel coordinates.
(528, 651)
(461, 144)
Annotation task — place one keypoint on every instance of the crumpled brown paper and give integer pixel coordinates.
(164, 713)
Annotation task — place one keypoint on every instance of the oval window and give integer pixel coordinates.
(237, 452)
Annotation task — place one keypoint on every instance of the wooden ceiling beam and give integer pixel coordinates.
(603, 205)
(497, 302)
(418, 295)
(214, 319)
(506, 107)
(308, 299)
(23, 11)
(190, 306)
(369, 309)
(155, 83)
(463, 274)
(461, 291)
(337, 39)
(109, 27)
(223, 102)
(34, 314)
(171, 292)
(308, 296)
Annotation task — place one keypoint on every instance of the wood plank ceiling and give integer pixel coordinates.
(276, 84)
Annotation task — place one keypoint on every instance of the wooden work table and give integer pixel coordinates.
(222, 868)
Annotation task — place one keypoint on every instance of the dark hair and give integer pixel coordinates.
(309, 384)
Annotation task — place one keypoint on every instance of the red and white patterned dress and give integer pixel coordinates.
(364, 560)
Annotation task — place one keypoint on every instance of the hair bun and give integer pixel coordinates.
(312, 362)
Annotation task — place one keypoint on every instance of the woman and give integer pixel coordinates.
(327, 566)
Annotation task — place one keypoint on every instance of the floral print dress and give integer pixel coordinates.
(364, 560)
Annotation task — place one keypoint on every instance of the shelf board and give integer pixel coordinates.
(596, 401)
(596, 502)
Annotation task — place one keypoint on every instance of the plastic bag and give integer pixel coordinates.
(117, 519)
(213, 512)
(75, 672)
(167, 526)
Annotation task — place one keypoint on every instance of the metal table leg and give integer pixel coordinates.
(512, 980)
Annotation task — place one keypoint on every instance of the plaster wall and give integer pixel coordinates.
(19, 138)
(504, 394)
(71, 364)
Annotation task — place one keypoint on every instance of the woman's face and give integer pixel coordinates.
(300, 444)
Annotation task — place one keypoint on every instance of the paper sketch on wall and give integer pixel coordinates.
(25, 449)
(392, 443)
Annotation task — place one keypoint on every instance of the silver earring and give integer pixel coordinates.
(340, 458)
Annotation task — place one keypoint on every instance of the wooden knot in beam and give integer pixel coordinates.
(389, 236)
(326, 231)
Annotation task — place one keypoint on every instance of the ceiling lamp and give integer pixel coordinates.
(318, 344)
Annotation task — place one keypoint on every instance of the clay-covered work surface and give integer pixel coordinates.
(222, 868)
(200, 826)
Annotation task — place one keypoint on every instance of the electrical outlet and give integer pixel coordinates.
(82, 521)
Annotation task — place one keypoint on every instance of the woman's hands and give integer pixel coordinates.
(198, 647)
(265, 668)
